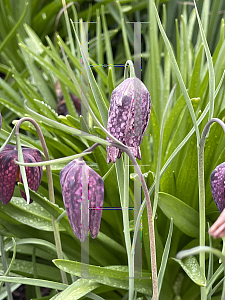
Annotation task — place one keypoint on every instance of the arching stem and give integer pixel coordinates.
(201, 181)
(50, 187)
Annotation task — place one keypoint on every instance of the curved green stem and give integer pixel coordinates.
(201, 182)
(50, 187)
(129, 66)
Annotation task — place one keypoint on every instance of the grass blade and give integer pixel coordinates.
(179, 76)
(210, 65)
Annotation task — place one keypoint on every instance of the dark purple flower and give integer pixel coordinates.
(218, 186)
(83, 196)
(128, 118)
(10, 172)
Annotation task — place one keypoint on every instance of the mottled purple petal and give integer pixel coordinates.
(80, 183)
(36, 154)
(218, 186)
(128, 118)
(8, 173)
(96, 186)
(73, 201)
(34, 174)
(64, 172)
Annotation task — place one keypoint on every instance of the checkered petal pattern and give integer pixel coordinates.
(129, 113)
(34, 174)
(10, 172)
(83, 196)
(218, 186)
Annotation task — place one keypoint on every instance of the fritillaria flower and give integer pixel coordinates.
(10, 172)
(218, 186)
(128, 118)
(83, 196)
(218, 192)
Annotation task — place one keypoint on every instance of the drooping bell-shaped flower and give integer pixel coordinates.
(217, 230)
(10, 172)
(83, 196)
(218, 186)
(128, 117)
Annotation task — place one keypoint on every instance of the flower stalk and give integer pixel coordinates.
(150, 219)
(125, 212)
(201, 181)
(50, 188)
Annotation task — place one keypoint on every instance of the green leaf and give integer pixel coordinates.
(32, 215)
(165, 257)
(33, 241)
(184, 216)
(35, 282)
(65, 128)
(115, 276)
(94, 86)
(22, 168)
(78, 289)
(13, 31)
(209, 60)
(191, 267)
(109, 53)
(14, 108)
(178, 74)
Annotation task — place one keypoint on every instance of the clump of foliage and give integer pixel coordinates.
(183, 66)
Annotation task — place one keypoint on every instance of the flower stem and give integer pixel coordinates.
(125, 212)
(150, 220)
(50, 188)
(129, 64)
(201, 182)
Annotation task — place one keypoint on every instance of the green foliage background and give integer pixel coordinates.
(31, 61)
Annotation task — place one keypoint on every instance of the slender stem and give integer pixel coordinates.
(4, 263)
(125, 212)
(50, 188)
(150, 220)
(202, 195)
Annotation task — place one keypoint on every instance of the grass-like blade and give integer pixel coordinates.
(179, 76)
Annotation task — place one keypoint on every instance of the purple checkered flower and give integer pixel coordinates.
(83, 196)
(128, 118)
(218, 186)
(10, 172)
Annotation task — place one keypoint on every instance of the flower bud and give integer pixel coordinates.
(128, 117)
(83, 191)
(218, 186)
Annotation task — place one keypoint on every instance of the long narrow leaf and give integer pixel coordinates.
(165, 257)
(13, 31)
(210, 65)
(179, 76)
